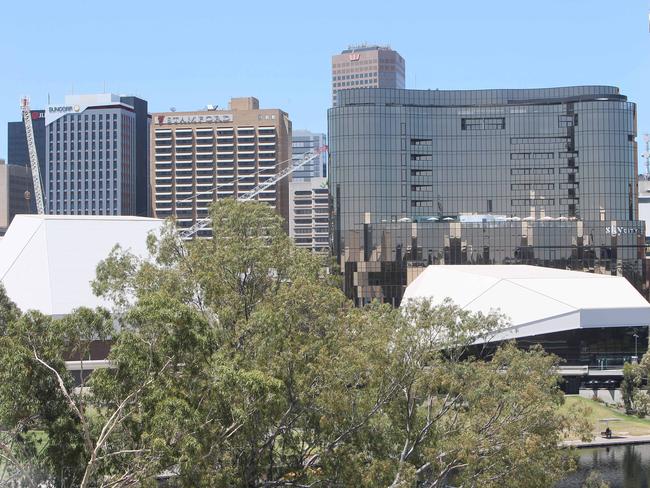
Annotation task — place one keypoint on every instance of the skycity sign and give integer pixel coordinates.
(614, 230)
(194, 119)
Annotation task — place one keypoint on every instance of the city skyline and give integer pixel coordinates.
(507, 45)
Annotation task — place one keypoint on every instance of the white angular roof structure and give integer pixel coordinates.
(48, 261)
(536, 300)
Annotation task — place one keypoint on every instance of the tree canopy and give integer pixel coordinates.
(237, 361)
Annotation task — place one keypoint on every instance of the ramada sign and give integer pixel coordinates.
(194, 119)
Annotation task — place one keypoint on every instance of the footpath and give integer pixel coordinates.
(615, 440)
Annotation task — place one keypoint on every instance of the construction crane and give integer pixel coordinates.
(33, 155)
(251, 194)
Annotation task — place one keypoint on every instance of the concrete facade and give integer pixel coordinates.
(309, 214)
(199, 157)
(367, 67)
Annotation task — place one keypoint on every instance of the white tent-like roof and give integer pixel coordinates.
(48, 261)
(536, 300)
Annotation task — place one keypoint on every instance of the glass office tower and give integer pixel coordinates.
(537, 176)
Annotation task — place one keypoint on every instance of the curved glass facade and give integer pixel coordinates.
(542, 176)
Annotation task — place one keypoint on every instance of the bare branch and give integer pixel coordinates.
(73, 406)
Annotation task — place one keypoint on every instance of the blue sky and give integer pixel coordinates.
(191, 53)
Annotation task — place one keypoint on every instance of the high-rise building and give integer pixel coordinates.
(142, 185)
(303, 141)
(94, 155)
(17, 152)
(202, 156)
(367, 67)
(308, 194)
(309, 213)
(15, 192)
(542, 176)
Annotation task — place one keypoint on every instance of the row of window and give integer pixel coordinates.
(484, 123)
(370, 81)
(309, 230)
(317, 201)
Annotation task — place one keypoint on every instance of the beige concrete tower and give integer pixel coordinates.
(202, 156)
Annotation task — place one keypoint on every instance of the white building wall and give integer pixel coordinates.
(309, 214)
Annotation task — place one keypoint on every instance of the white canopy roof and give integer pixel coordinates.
(48, 261)
(536, 300)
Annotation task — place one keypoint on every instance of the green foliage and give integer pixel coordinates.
(595, 480)
(632, 377)
(238, 362)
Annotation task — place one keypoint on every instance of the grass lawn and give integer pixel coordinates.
(629, 423)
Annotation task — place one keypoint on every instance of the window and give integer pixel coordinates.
(532, 186)
(421, 187)
(531, 171)
(539, 140)
(487, 123)
(568, 120)
(421, 142)
(421, 203)
(532, 155)
(523, 202)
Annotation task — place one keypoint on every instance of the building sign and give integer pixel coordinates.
(354, 56)
(38, 114)
(194, 119)
(614, 230)
(55, 112)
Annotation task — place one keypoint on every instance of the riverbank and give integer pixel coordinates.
(605, 442)
(627, 430)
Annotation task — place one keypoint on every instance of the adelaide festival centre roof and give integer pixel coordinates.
(536, 300)
(48, 261)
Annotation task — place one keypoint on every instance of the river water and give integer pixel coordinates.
(621, 466)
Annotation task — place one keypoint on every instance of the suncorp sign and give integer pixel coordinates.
(63, 109)
(55, 112)
(614, 230)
